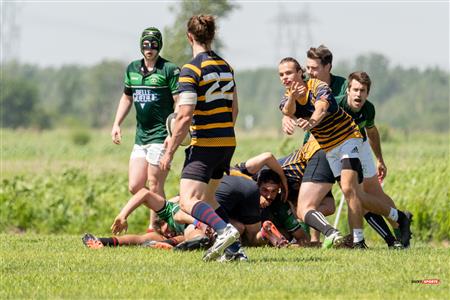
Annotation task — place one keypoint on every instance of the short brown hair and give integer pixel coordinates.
(203, 28)
(361, 77)
(322, 53)
(288, 59)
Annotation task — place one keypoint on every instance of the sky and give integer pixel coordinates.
(408, 33)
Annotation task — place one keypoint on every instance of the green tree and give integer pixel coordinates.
(176, 47)
(104, 86)
(18, 102)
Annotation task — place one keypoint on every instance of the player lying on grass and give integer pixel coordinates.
(176, 225)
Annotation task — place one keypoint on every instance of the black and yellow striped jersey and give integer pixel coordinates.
(294, 165)
(336, 127)
(212, 79)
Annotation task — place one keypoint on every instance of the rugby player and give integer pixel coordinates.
(338, 135)
(356, 104)
(173, 226)
(208, 105)
(319, 62)
(151, 83)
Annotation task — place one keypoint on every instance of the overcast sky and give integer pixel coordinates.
(53, 33)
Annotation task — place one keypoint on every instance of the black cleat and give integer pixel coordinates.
(199, 242)
(360, 245)
(404, 224)
(396, 246)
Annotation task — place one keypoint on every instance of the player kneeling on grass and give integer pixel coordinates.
(249, 201)
(175, 226)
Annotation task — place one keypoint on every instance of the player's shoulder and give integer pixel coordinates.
(134, 66)
(315, 84)
(168, 64)
(338, 79)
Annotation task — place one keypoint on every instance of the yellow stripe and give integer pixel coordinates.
(213, 111)
(212, 125)
(201, 98)
(186, 79)
(193, 68)
(214, 142)
(234, 172)
(213, 63)
(205, 82)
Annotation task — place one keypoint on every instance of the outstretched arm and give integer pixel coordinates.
(143, 196)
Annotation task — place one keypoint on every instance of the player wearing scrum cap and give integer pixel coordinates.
(151, 83)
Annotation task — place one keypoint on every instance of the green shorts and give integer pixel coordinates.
(167, 215)
(283, 216)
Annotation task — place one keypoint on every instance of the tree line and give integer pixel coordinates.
(405, 98)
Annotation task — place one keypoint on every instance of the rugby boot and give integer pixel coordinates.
(270, 232)
(198, 242)
(334, 240)
(227, 237)
(360, 245)
(229, 256)
(92, 242)
(404, 224)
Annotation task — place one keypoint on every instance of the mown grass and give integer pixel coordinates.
(50, 184)
(49, 266)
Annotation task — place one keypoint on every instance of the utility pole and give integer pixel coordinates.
(10, 31)
(293, 31)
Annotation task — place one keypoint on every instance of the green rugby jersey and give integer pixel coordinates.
(152, 97)
(364, 118)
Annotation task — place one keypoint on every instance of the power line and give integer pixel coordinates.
(294, 33)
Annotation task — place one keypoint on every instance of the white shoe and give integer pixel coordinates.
(228, 256)
(223, 240)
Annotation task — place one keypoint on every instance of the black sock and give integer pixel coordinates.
(317, 220)
(222, 213)
(110, 242)
(379, 225)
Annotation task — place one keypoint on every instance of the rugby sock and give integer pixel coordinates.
(317, 220)
(110, 242)
(393, 214)
(397, 233)
(305, 228)
(358, 235)
(204, 213)
(162, 209)
(379, 225)
(222, 213)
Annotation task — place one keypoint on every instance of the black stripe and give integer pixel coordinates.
(204, 106)
(215, 132)
(216, 118)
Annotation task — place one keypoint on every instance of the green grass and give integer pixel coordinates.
(49, 266)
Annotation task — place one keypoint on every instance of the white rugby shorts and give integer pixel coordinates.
(349, 149)
(151, 152)
(367, 161)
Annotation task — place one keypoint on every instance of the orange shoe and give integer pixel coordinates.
(270, 232)
(91, 241)
(157, 245)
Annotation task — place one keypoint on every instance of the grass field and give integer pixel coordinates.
(42, 266)
(54, 189)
